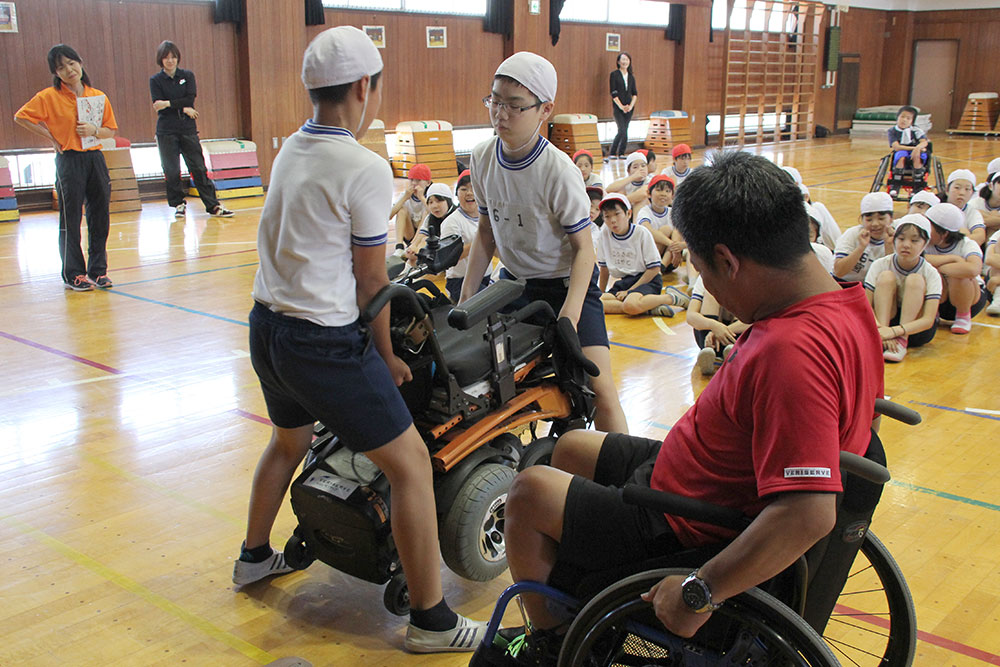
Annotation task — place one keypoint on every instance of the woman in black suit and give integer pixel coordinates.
(624, 95)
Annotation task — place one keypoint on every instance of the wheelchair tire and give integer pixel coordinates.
(297, 553)
(396, 596)
(537, 452)
(618, 627)
(874, 622)
(472, 541)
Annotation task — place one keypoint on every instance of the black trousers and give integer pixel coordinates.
(172, 147)
(82, 181)
(620, 141)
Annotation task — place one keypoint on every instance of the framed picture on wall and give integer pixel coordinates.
(437, 37)
(613, 42)
(376, 33)
(8, 17)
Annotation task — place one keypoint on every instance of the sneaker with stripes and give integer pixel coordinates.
(465, 636)
(245, 572)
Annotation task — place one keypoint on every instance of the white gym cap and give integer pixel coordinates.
(439, 190)
(964, 174)
(339, 55)
(947, 216)
(925, 197)
(634, 157)
(618, 197)
(533, 72)
(794, 173)
(803, 189)
(914, 219)
(812, 211)
(994, 166)
(876, 202)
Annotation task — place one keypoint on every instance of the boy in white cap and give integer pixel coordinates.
(905, 289)
(535, 214)
(921, 201)
(959, 260)
(321, 243)
(859, 246)
(633, 184)
(464, 222)
(961, 190)
(440, 205)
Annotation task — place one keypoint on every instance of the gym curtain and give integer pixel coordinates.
(229, 11)
(555, 9)
(499, 17)
(314, 12)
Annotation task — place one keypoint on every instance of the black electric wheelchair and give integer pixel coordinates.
(844, 599)
(906, 182)
(481, 382)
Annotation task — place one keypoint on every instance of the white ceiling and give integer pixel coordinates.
(923, 5)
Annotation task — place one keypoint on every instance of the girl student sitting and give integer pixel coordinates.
(584, 161)
(859, 246)
(905, 290)
(987, 201)
(626, 252)
(633, 184)
(715, 328)
(961, 190)
(959, 260)
(439, 206)
(655, 217)
(463, 221)
(822, 252)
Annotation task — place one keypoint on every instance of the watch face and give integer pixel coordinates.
(694, 595)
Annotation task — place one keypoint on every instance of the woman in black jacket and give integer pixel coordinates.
(624, 95)
(173, 90)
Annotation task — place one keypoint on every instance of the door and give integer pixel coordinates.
(848, 75)
(932, 82)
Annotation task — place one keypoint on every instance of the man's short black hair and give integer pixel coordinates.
(746, 203)
(650, 156)
(337, 94)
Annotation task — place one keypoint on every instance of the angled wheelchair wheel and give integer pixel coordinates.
(874, 622)
(753, 628)
(472, 539)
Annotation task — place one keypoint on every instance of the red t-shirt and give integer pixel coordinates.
(799, 386)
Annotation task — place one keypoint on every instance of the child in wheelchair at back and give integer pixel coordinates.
(908, 143)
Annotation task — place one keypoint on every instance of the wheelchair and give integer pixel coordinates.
(906, 182)
(844, 599)
(480, 380)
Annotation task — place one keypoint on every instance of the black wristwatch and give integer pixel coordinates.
(697, 595)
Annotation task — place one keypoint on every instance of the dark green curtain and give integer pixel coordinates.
(499, 17)
(555, 9)
(675, 28)
(229, 10)
(314, 12)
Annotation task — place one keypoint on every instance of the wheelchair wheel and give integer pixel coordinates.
(472, 541)
(537, 453)
(618, 628)
(396, 596)
(297, 553)
(874, 622)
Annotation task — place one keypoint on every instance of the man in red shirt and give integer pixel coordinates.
(763, 437)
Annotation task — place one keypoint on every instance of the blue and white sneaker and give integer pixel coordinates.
(465, 636)
(245, 572)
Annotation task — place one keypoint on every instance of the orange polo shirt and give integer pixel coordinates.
(57, 109)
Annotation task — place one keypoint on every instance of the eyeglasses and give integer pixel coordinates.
(511, 110)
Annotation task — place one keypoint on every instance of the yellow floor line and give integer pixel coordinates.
(658, 321)
(249, 650)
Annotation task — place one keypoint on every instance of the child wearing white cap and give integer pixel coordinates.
(987, 201)
(633, 184)
(829, 230)
(823, 253)
(439, 206)
(905, 290)
(321, 242)
(627, 253)
(959, 260)
(961, 189)
(992, 262)
(859, 246)
(534, 213)
(921, 201)
(464, 222)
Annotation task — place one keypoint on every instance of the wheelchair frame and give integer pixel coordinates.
(907, 181)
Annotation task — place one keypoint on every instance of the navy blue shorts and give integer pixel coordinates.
(590, 328)
(654, 286)
(334, 375)
(906, 154)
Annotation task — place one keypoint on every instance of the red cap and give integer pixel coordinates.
(593, 189)
(420, 171)
(643, 151)
(463, 174)
(583, 151)
(680, 149)
(659, 178)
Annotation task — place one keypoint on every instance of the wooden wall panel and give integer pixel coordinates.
(863, 32)
(117, 41)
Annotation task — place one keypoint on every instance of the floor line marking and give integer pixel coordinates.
(977, 413)
(184, 275)
(181, 308)
(647, 349)
(60, 353)
(983, 324)
(662, 326)
(945, 495)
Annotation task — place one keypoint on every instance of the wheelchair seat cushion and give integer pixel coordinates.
(468, 354)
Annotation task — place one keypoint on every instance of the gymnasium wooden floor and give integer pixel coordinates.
(131, 421)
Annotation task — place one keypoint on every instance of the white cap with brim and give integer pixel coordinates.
(439, 190)
(618, 197)
(962, 174)
(946, 216)
(915, 219)
(634, 157)
(339, 55)
(794, 173)
(533, 72)
(812, 212)
(876, 202)
(925, 197)
(803, 189)
(993, 167)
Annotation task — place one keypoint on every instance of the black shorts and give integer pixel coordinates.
(654, 286)
(335, 375)
(920, 338)
(946, 311)
(602, 532)
(590, 328)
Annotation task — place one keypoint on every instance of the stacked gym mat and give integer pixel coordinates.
(232, 165)
(8, 202)
(874, 122)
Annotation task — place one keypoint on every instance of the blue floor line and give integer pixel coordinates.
(182, 275)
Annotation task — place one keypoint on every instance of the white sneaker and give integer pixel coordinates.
(727, 351)
(706, 360)
(680, 298)
(896, 351)
(994, 308)
(465, 636)
(180, 210)
(247, 573)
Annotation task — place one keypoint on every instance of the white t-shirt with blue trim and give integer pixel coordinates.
(459, 222)
(328, 193)
(846, 244)
(630, 254)
(533, 204)
(648, 215)
(932, 279)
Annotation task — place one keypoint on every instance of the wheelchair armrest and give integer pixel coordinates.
(484, 304)
(689, 508)
(897, 411)
(864, 468)
(387, 294)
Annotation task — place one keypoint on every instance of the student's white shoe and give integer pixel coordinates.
(896, 352)
(680, 298)
(465, 636)
(994, 308)
(247, 573)
(706, 360)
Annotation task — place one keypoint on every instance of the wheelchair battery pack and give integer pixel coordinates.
(343, 521)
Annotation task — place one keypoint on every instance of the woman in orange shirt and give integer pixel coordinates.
(75, 125)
